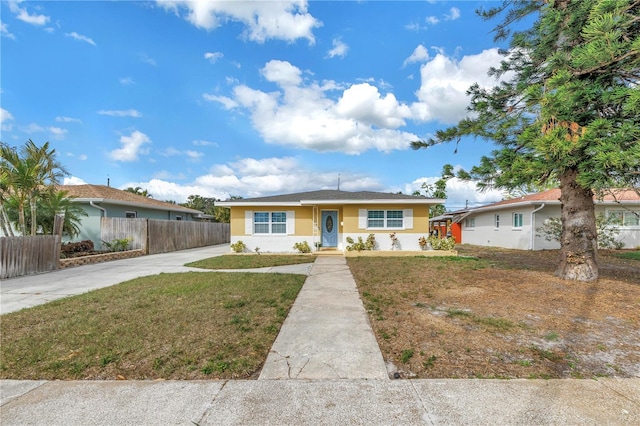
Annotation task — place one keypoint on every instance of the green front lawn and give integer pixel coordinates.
(169, 326)
(248, 261)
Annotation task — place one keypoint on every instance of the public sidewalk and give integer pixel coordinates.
(327, 338)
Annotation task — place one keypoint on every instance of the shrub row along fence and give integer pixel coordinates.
(28, 255)
(163, 236)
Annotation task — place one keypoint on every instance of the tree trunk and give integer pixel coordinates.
(34, 224)
(4, 222)
(578, 242)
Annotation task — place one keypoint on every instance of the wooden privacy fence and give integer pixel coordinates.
(163, 236)
(117, 228)
(28, 255)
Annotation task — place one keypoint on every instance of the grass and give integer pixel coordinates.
(168, 326)
(629, 255)
(231, 261)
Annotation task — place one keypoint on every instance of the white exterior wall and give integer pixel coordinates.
(406, 241)
(485, 232)
(270, 243)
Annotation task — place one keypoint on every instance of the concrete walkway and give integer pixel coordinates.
(327, 333)
(326, 338)
(31, 290)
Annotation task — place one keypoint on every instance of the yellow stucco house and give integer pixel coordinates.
(327, 218)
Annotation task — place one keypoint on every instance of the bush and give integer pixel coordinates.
(442, 243)
(77, 247)
(606, 226)
(370, 244)
(302, 247)
(119, 244)
(239, 247)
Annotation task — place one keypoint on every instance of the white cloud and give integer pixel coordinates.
(420, 54)
(121, 113)
(23, 15)
(250, 177)
(81, 157)
(57, 132)
(227, 102)
(81, 37)
(454, 13)
(33, 128)
(431, 20)
(282, 73)
(5, 118)
(131, 147)
(444, 82)
(4, 31)
(204, 143)
(148, 60)
(459, 192)
(73, 180)
(339, 49)
(126, 81)
(302, 114)
(213, 56)
(68, 120)
(193, 155)
(284, 20)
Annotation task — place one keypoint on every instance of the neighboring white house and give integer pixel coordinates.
(508, 223)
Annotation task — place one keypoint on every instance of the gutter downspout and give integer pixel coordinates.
(99, 208)
(533, 230)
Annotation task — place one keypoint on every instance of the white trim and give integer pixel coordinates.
(248, 222)
(407, 219)
(362, 218)
(426, 201)
(291, 222)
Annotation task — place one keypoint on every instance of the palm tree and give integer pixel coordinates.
(139, 191)
(26, 174)
(56, 202)
(5, 225)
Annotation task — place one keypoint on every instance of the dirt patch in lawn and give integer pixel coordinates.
(501, 313)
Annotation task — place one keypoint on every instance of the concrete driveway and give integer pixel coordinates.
(31, 290)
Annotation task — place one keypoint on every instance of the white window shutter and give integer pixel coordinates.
(248, 222)
(362, 218)
(291, 222)
(408, 218)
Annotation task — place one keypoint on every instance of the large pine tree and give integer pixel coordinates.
(567, 110)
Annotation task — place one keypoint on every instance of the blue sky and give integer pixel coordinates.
(245, 98)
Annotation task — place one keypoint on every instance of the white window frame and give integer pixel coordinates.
(496, 220)
(130, 214)
(386, 219)
(178, 217)
(625, 215)
(470, 223)
(515, 220)
(270, 223)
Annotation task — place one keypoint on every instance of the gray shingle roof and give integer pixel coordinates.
(329, 195)
(111, 195)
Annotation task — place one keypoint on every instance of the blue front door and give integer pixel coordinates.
(329, 229)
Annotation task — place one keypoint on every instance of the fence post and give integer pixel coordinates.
(58, 225)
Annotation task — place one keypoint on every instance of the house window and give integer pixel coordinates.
(178, 217)
(517, 220)
(130, 215)
(385, 219)
(496, 218)
(270, 222)
(470, 222)
(625, 217)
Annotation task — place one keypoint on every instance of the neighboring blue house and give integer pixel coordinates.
(103, 201)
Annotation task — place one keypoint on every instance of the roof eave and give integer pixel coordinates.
(134, 204)
(425, 201)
